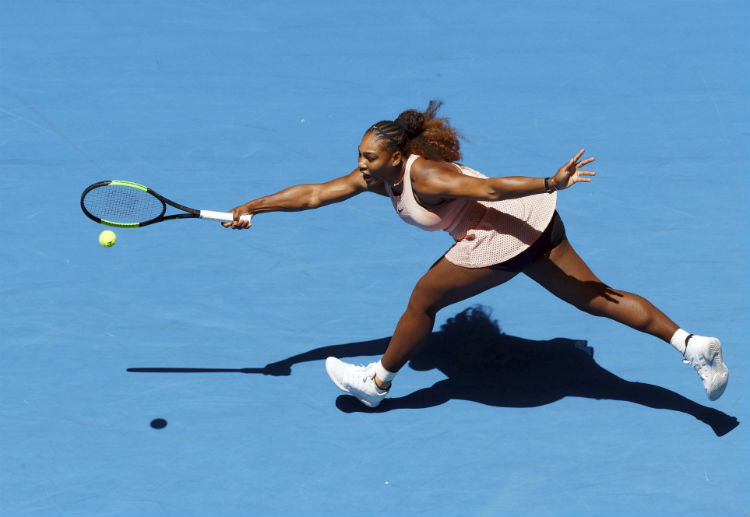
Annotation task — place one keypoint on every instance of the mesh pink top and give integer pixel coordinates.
(486, 232)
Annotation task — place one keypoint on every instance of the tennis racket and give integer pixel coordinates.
(124, 204)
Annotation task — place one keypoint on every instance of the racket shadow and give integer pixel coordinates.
(484, 365)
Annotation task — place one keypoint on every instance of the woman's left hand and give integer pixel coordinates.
(571, 172)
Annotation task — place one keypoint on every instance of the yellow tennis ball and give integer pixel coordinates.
(107, 238)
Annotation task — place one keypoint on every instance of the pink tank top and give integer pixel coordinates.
(486, 232)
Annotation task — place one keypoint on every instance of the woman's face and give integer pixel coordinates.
(375, 162)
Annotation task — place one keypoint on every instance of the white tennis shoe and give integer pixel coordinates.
(704, 354)
(357, 380)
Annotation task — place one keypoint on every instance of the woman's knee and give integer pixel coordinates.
(425, 300)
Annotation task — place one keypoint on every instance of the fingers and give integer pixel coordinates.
(574, 160)
(577, 157)
(238, 223)
(582, 176)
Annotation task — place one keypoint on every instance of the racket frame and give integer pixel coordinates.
(188, 213)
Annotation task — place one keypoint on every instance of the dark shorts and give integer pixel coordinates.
(551, 237)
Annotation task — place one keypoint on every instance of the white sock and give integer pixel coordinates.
(678, 340)
(383, 375)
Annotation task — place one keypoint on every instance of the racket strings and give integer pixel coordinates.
(123, 204)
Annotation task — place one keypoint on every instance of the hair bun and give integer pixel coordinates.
(412, 122)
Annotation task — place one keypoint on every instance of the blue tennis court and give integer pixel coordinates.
(518, 405)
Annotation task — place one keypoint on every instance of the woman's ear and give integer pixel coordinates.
(396, 158)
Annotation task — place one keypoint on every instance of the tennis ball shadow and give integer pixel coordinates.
(484, 365)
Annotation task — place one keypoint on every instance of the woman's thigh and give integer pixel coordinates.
(566, 275)
(446, 283)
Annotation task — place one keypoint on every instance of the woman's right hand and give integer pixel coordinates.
(237, 223)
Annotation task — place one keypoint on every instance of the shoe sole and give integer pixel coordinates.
(720, 376)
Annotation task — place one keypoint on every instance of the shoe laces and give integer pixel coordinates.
(356, 373)
(697, 361)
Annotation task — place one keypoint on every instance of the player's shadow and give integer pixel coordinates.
(484, 365)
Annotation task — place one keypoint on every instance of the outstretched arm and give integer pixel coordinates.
(438, 181)
(301, 197)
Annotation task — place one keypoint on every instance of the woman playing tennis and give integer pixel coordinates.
(501, 226)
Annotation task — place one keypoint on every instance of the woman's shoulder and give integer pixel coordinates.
(422, 168)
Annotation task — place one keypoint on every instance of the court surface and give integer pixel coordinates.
(223, 334)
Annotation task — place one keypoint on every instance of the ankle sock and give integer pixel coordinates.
(384, 375)
(679, 340)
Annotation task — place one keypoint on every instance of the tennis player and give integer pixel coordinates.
(501, 226)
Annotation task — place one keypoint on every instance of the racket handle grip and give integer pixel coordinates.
(222, 216)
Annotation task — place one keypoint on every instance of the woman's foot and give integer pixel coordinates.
(704, 354)
(357, 380)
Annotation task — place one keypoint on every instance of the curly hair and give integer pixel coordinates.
(422, 133)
